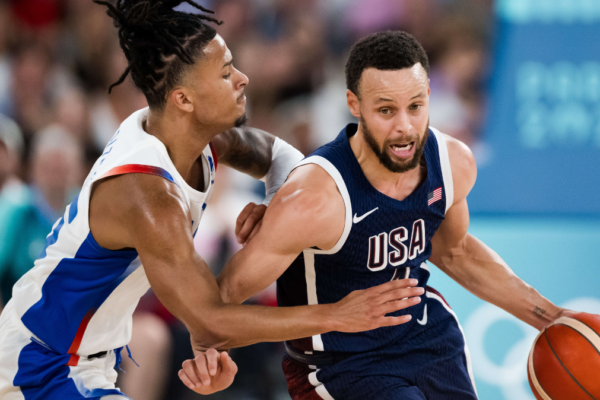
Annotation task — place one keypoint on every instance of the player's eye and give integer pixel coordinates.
(385, 111)
(227, 76)
(414, 107)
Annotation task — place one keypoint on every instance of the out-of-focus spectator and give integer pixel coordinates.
(11, 149)
(30, 88)
(109, 110)
(37, 21)
(5, 24)
(456, 103)
(25, 222)
(85, 42)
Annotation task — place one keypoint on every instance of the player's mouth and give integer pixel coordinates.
(242, 98)
(403, 150)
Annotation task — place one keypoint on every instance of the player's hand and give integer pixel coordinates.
(249, 222)
(209, 372)
(563, 312)
(363, 310)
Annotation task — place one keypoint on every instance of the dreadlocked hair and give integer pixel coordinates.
(159, 42)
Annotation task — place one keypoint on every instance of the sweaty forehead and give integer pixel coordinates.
(402, 82)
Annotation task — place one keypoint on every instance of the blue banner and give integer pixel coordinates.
(543, 128)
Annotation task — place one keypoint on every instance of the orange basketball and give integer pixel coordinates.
(564, 362)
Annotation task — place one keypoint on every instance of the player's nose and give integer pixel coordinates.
(402, 123)
(242, 80)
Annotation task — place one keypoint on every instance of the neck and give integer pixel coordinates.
(397, 185)
(182, 136)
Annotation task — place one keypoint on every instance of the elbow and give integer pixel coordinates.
(224, 290)
(210, 333)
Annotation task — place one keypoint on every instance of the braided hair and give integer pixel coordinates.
(159, 42)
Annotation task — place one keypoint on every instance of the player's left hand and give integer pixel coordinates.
(249, 222)
(211, 371)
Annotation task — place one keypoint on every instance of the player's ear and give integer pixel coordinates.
(180, 98)
(353, 103)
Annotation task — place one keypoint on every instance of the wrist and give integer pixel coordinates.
(329, 321)
(548, 316)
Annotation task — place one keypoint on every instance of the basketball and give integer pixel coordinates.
(564, 362)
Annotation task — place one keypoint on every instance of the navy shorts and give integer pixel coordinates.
(431, 363)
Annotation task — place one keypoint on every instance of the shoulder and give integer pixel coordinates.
(314, 185)
(310, 202)
(128, 206)
(135, 192)
(463, 166)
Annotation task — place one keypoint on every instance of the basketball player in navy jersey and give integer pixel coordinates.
(371, 207)
(70, 316)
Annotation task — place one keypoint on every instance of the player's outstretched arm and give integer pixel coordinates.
(472, 263)
(307, 211)
(148, 213)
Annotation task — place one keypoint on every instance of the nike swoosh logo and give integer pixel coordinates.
(423, 321)
(358, 219)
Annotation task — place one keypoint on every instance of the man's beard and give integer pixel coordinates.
(241, 121)
(386, 160)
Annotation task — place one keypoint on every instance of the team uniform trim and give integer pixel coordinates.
(446, 169)
(137, 169)
(309, 254)
(434, 294)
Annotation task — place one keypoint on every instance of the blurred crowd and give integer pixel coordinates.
(58, 57)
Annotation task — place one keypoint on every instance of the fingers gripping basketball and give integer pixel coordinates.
(564, 362)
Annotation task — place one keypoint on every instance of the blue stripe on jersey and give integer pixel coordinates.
(75, 287)
(53, 237)
(73, 209)
(42, 374)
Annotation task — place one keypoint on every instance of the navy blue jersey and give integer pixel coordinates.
(383, 239)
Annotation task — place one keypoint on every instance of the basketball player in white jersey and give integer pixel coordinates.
(370, 207)
(131, 228)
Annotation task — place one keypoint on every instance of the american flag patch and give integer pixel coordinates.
(434, 196)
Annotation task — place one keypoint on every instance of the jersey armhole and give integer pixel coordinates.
(341, 185)
(445, 166)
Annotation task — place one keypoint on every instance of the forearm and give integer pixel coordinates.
(248, 273)
(248, 150)
(259, 154)
(215, 324)
(243, 325)
(480, 270)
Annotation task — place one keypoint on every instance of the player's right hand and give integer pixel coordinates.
(211, 371)
(363, 310)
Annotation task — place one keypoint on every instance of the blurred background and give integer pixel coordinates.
(517, 80)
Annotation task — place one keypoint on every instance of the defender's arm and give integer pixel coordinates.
(245, 149)
(262, 156)
(148, 213)
(474, 265)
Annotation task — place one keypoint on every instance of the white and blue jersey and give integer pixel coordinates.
(383, 239)
(79, 298)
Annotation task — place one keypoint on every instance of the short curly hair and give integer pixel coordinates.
(390, 50)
